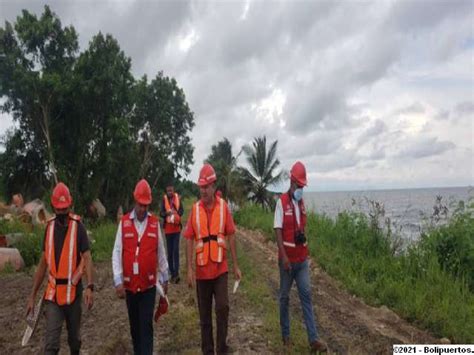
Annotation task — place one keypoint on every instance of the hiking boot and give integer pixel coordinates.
(177, 280)
(318, 345)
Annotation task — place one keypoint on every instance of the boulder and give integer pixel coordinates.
(37, 210)
(11, 256)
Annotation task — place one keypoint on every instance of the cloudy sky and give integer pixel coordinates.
(367, 94)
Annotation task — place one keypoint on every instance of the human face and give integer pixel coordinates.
(170, 191)
(141, 211)
(207, 193)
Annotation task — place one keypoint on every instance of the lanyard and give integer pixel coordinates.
(293, 209)
(137, 250)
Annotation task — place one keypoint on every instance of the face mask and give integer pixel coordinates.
(298, 194)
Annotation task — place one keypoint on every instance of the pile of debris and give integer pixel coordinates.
(30, 214)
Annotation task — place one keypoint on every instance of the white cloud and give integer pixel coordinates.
(367, 94)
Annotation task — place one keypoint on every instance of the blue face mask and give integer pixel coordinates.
(298, 194)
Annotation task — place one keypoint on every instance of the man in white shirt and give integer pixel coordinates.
(139, 265)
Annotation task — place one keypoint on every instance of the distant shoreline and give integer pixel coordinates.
(469, 187)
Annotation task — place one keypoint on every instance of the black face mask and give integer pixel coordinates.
(61, 218)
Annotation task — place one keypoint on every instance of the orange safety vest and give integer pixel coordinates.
(174, 218)
(62, 281)
(210, 238)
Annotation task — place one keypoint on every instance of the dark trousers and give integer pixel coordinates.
(206, 290)
(140, 308)
(172, 245)
(55, 316)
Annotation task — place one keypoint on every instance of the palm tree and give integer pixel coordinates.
(262, 172)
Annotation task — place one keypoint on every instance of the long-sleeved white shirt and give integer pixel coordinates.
(117, 267)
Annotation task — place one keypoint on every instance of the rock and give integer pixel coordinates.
(11, 256)
(17, 200)
(444, 341)
(37, 210)
(97, 209)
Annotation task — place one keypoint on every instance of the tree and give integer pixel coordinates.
(82, 118)
(262, 171)
(225, 165)
(161, 119)
(36, 60)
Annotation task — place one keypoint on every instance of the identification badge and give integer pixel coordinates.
(135, 268)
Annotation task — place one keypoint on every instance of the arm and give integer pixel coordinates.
(233, 251)
(181, 209)
(163, 267)
(37, 281)
(88, 299)
(117, 263)
(278, 226)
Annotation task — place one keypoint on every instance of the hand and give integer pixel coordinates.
(190, 278)
(89, 298)
(30, 306)
(120, 291)
(286, 262)
(237, 273)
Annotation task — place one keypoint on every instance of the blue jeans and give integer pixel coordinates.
(299, 272)
(172, 245)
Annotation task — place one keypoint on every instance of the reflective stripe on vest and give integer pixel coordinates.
(210, 240)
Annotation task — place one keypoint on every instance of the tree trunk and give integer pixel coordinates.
(47, 136)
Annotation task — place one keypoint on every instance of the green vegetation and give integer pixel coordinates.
(82, 118)
(428, 284)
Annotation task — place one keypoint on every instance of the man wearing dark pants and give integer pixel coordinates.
(209, 225)
(139, 265)
(171, 212)
(289, 224)
(65, 255)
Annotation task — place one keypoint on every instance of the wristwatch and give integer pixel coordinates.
(91, 287)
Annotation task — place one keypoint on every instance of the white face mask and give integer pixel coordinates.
(298, 194)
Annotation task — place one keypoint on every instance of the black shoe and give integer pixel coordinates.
(318, 346)
(177, 280)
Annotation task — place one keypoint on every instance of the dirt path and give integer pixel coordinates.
(346, 323)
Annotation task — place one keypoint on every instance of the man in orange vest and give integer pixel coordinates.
(139, 267)
(66, 254)
(209, 226)
(171, 212)
(289, 224)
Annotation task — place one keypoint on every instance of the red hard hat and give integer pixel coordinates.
(162, 308)
(206, 175)
(61, 197)
(298, 174)
(142, 193)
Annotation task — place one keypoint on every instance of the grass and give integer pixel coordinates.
(263, 297)
(416, 284)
